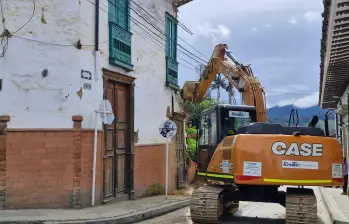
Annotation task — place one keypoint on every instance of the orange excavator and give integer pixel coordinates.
(243, 158)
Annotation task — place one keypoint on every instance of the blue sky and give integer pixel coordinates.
(279, 38)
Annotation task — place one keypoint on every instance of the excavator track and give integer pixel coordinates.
(207, 205)
(301, 206)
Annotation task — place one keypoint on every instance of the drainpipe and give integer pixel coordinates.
(95, 113)
(97, 26)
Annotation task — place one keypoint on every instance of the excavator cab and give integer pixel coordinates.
(218, 122)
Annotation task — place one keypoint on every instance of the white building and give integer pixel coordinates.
(50, 71)
(334, 77)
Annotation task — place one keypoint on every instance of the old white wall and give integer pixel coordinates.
(34, 101)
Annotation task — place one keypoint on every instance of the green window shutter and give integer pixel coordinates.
(112, 10)
(171, 52)
(123, 14)
(119, 34)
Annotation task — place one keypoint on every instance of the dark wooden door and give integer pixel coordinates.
(116, 142)
(181, 174)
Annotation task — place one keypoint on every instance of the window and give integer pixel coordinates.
(171, 52)
(231, 124)
(213, 126)
(204, 130)
(119, 34)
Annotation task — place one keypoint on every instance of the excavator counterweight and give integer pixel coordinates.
(242, 158)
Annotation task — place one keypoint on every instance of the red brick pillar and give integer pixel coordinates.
(76, 161)
(3, 126)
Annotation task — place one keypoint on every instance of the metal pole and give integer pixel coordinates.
(166, 188)
(94, 161)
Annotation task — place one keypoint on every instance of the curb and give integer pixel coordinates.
(336, 216)
(132, 217)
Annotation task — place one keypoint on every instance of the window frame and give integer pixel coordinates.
(171, 34)
(120, 37)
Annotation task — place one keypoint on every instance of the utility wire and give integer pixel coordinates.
(157, 30)
(28, 20)
(165, 27)
(161, 48)
(57, 44)
(166, 35)
(179, 23)
(136, 22)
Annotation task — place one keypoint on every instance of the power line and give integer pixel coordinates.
(179, 23)
(166, 35)
(57, 44)
(137, 23)
(158, 31)
(160, 48)
(28, 20)
(165, 27)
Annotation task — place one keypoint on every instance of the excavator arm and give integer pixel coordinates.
(238, 75)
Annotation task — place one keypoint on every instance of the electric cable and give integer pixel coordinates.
(136, 22)
(165, 27)
(167, 36)
(28, 20)
(57, 44)
(157, 30)
(160, 48)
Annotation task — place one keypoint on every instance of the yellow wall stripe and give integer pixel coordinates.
(297, 181)
(216, 175)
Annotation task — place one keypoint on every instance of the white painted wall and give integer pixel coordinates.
(34, 101)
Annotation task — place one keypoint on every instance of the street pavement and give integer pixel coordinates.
(249, 213)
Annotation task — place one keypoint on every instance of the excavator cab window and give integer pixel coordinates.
(204, 130)
(208, 129)
(232, 120)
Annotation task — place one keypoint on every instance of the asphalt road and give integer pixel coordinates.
(249, 213)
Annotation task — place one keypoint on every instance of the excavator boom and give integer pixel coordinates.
(238, 75)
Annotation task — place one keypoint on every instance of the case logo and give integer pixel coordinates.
(304, 149)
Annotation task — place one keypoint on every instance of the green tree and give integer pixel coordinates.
(194, 109)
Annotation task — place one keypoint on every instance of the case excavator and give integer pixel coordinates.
(242, 158)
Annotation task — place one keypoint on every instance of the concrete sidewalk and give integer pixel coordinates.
(337, 204)
(120, 212)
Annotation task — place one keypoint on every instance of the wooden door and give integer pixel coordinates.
(116, 141)
(181, 173)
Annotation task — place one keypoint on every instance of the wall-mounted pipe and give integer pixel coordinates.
(96, 114)
(97, 26)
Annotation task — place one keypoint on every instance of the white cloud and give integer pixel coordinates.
(303, 102)
(312, 16)
(268, 25)
(215, 32)
(293, 21)
(255, 29)
(287, 90)
(270, 105)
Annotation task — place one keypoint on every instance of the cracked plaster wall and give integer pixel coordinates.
(35, 101)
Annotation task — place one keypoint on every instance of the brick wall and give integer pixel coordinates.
(51, 168)
(150, 167)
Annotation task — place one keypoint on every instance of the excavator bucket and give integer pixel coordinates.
(188, 92)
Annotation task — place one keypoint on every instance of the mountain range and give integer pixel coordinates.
(281, 115)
